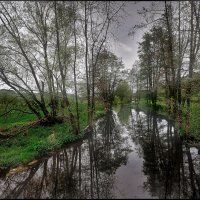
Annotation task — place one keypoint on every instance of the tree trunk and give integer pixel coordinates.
(86, 65)
(75, 84)
(65, 98)
(191, 63)
(172, 89)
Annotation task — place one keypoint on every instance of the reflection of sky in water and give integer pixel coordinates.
(162, 124)
(134, 113)
(123, 130)
(130, 177)
(194, 152)
(142, 114)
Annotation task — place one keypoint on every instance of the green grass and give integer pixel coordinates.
(39, 140)
(15, 119)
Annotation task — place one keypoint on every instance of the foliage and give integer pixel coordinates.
(109, 70)
(124, 92)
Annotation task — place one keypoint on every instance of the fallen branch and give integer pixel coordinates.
(22, 129)
(15, 110)
(19, 129)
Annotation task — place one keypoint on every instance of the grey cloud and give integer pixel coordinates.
(127, 46)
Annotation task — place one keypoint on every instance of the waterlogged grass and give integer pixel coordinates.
(194, 115)
(194, 121)
(39, 140)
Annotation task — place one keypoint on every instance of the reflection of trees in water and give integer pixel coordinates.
(170, 172)
(53, 178)
(107, 153)
(80, 171)
(112, 152)
(86, 170)
(124, 114)
(14, 186)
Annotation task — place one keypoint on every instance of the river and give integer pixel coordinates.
(131, 154)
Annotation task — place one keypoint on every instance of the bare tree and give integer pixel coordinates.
(98, 18)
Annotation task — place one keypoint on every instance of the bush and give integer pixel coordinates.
(124, 92)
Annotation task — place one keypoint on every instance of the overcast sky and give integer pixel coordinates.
(127, 46)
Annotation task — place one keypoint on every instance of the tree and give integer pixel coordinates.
(98, 18)
(151, 61)
(174, 49)
(109, 70)
(38, 65)
(18, 60)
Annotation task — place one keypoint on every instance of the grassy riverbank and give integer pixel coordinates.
(194, 119)
(39, 140)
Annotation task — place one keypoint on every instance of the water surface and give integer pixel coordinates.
(131, 154)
